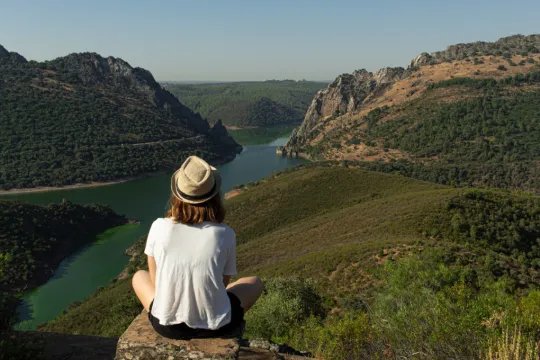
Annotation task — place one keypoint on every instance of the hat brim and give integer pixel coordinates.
(216, 191)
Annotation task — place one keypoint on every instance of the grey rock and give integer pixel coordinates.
(345, 94)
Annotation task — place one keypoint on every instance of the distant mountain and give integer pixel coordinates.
(83, 118)
(470, 113)
(248, 104)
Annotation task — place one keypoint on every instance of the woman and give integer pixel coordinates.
(191, 258)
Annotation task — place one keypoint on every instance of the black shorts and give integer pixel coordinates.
(183, 332)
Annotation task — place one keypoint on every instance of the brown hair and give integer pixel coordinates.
(185, 213)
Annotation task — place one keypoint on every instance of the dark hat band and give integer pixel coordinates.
(198, 197)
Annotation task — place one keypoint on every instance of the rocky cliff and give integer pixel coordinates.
(351, 93)
(344, 95)
(84, 117)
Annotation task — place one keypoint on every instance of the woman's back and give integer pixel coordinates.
(191, 261)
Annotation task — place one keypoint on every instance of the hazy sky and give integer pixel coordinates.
(257, 39)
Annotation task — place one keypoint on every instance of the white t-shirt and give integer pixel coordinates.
(190, 263)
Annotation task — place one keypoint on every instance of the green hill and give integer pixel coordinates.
(367, 240)
(35, 239)
(248, 104)
(83, 118)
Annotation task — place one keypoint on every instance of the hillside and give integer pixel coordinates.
(365, 239)
(464, 116)
(83, 118)
(249, 104)
(35, 239)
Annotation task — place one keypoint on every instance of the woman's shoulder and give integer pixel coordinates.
(221, 227)
(161, 223)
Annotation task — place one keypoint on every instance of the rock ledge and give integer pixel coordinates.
(141, 342)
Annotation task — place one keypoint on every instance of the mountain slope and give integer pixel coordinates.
(85, 118)
(470, 111)
(248, 104)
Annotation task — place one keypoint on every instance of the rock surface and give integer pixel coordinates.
(344, 95)
(141, 342)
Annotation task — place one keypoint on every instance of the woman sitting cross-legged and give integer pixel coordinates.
(191, 258)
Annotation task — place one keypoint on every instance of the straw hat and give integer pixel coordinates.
(196, 181)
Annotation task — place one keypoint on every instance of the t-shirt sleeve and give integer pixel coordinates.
(230, 265)
(151, 238)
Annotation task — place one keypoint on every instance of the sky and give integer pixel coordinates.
(240, 40)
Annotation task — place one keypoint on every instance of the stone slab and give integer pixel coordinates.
(141, 342)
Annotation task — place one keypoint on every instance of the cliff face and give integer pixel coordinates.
(350, 93)
(344, 95)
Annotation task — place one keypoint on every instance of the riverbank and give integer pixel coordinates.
(77, 186)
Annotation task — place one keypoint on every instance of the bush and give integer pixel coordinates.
(502, 68)
(285, 303)
(429, 307)
(340, 338)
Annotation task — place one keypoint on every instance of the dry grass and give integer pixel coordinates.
(513, 346)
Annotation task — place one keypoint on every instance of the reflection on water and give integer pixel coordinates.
(144, 200)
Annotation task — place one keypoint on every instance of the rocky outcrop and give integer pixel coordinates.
(141, 342)
(349, 92)
(344, 95)
(511, 45)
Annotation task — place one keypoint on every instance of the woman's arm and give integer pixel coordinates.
(152, 269)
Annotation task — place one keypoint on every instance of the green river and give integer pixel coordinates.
(144, 200)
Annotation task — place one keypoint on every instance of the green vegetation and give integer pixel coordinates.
(261, 135)
(381, 253)
(246, 104)
(35, 239)
(63, 123)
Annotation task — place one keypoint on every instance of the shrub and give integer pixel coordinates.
(286, 302)
(340, 338)
(501, 67)
(431, 307)
(478, 61)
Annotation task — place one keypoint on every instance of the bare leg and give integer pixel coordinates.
(144, 288)
(247, 290)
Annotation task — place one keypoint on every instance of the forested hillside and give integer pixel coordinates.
(351, 258)
(246, 104)
(83, 118)
(33, 241)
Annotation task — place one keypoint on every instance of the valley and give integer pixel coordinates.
(250, 104)
(401, 222)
